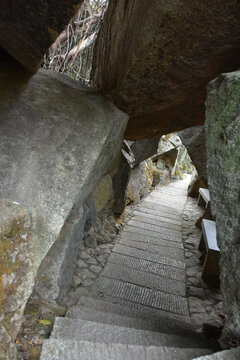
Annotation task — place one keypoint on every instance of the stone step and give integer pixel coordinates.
(180, 184)
(230, 354)
(85, 330)
(75, 350)
(134, 236)
(141, 295)
(170, 251)
(159, 218)
(148, 266)
(175, 193)
(174, 207)
(147, 209)
(163, 198)
(141, 278)
(142, 254)
(158, 210)
(169, 323)
(148, 232)
(154, 227)
(86, 313)
(170, 192)
(155, 221)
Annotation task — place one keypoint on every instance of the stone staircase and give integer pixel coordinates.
(138, 307)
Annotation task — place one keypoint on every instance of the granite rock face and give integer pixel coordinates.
(194, 140)
(103, 192)
(160, 56)
(120, 182)
(48, 163)
(223, 150)
(144, 149)
(28, 28)
(16, 265)
(139, 184)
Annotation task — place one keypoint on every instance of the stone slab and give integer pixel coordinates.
(134, 236)
(164, 197)
(71, 350)
(159, 210)
(142, 254)
(154, 221)
(161, 207)
(169, 251)
(148, 232)
(111, 318)
(230, 354)
(168, 322)
(154, 227)
(141, 278)
(173, 205)
(148, 266)
(166, 190)
(84, 330)
(141, 295)
(157, 217)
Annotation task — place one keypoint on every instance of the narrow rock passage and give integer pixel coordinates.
(137, 308)
(146, 267)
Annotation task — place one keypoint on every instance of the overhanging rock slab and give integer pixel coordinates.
(155, 58)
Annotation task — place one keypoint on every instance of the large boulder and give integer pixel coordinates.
(58, 139)
(28, 28)
(160, 56)
(193, 139)
(223, 150)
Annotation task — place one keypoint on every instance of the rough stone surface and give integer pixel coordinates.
(231, 354)
(103, 192)
(56, 270)
(148, 266)
(223, 144)
(139, 183)
(69, 350)
(205, 303)
(108, 334)
(144, 149)
(142, 278)
(120, 181)
(48, 162)
(160, 56)
(194, 140)
(28, 29)
(16, 265)
(195, 184)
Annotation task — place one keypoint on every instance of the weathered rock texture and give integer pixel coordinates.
(140, 182)
(144, 149)
(223, 150)
(28, 28)
(194, 140)
(154, 59)
(58, 139)
(120, 182)
(16, 265)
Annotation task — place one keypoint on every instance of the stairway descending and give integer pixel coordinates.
(137, 309)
